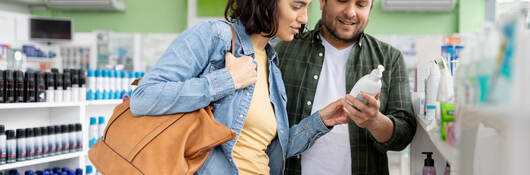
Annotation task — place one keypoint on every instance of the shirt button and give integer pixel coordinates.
(315, 77)
(241, 116)
(281, 131)
(248, 94)
(320, 54)
(308, 103)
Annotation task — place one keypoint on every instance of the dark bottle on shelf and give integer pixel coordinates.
(50, 87)
(10, 87)
(19, 87)
(29, 89)
(21, 145)
(30, 141)
(58, 77)
(11, 146)
(40, 87)
(67, 86)
(2, 87)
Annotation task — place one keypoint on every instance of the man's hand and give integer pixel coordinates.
(368, 116)
(333, 114)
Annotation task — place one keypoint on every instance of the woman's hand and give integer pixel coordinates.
(333, 114)
(242, 69)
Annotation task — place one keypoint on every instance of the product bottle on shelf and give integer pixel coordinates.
(50, 87)
(93, 131)
(29, 90)
(91, 91)
(58, 78)
(3, 144)
(99, 85)
(10, 87)
(21, 145)
(40, 87)
(2, 87)
(74, 76)
(124, 83)
(19, 87)
(82, 85)
(67, 86)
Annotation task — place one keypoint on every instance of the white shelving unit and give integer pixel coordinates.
(28, 115)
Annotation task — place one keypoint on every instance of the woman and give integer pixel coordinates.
(197, 70)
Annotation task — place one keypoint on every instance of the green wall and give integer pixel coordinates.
(170, 16)
(150, 16)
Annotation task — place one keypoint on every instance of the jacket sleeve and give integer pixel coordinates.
(399, 108)
(174, 85)
(304, 134)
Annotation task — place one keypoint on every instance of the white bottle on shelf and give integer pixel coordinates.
(101, 126)
(99, 84)
(124, 83)
(93, 131)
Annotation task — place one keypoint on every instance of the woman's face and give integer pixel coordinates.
(292, 14)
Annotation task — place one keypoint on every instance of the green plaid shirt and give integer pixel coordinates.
(301, 63)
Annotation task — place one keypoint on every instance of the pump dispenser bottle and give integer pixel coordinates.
(369, 84)
(428, 168)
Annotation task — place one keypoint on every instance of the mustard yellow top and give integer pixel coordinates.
(260, 126)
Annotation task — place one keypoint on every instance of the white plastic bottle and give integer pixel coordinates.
(124, 83)
(99, 84)
(101, 127)
(91, 91)
(106, 84)
(431, 91)
(369, 84)
(93, 131)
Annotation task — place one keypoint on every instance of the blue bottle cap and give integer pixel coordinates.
(65, 170)
(88, 169)
(39, 173)
(101, 120)
(71, 172)
(137, 75)
(93, 120)
(29, 173)
(131, 74)
(114, 73)
(142, 74)
(98, 73)
(79, 171)
(90, 73)
(123, 74)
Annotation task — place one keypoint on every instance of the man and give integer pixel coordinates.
(322, 67)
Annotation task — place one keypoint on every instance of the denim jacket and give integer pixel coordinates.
(191, 75)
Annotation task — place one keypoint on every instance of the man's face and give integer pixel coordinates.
(345, 19)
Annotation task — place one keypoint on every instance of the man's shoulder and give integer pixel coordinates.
(383, 46)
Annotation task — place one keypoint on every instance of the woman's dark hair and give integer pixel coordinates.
(257, 15)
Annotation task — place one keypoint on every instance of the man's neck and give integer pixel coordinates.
(338, 44)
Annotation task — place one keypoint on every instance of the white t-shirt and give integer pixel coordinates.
(331, 153)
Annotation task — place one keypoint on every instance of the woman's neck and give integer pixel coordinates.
(259, 41)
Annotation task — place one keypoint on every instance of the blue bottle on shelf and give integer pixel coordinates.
(99, 85)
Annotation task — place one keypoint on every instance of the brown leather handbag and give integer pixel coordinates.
(169, 144)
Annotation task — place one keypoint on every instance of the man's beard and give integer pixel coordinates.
(333, 33)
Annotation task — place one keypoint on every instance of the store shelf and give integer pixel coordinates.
(38, 105)
(449, 152)
(104, 102)
(40, 59)
(40, 161)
